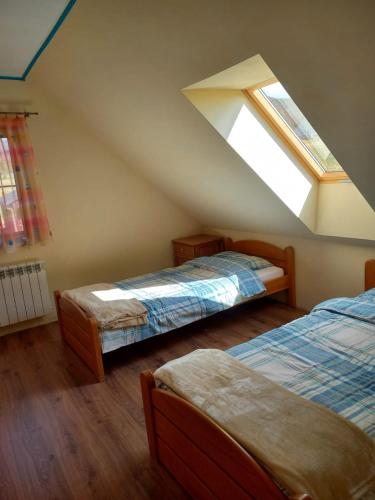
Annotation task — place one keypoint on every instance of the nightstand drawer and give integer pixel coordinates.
(184, 251)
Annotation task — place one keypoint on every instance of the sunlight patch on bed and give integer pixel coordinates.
(229, 286)
(113, 294)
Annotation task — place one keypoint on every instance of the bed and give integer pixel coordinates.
(81, 332)
(206, 460)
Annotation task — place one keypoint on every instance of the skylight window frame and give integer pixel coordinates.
(278, 124)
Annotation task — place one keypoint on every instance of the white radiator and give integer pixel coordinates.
(24, 292)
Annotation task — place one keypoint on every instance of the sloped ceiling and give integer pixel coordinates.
(25, 29)
(121, 65)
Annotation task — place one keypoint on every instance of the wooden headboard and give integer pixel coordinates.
(280, 257)
(370, 274)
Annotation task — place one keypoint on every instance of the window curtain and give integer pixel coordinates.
(22, 209)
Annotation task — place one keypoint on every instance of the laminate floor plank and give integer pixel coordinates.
(62, 436)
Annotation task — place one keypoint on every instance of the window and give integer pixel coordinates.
(288, 120)
(23, 216)
(10, 210)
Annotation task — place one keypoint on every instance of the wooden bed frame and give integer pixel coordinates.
(370, 274)
(80, 330)
(206, 460)
(198, 453)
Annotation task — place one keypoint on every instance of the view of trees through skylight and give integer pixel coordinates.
(286, 109)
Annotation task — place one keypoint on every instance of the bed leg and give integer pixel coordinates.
(228, 244)
(57, 296)
(291, 298)
(147, 385)
(97, 367)
(289, 253)
(370, 274)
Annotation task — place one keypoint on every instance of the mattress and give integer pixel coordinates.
(327, 356)
(177, 296)
(270, 273)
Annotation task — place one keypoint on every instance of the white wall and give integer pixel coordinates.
(325, 268)
(107, 221)
(343, 211)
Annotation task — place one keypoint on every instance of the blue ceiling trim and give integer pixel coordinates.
(11, 78)
(59, 22)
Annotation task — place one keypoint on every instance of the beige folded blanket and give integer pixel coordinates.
(112, 307)
(305, 447)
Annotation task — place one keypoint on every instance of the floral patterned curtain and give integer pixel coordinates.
(23, 217)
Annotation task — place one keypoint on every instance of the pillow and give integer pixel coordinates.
(250, 261)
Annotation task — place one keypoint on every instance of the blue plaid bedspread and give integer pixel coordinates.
(327, 356)
(177, 296)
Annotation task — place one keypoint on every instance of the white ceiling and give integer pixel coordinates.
(24, 26)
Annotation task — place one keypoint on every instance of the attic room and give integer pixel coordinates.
(187, 300)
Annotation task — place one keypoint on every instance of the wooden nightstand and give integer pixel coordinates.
(196, 246)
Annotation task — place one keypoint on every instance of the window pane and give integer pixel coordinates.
(6, 170)
(281, 101)
(10, 210)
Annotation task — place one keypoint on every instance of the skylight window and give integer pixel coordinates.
(283, 113)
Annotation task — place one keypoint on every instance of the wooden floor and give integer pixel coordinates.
(64, 437)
